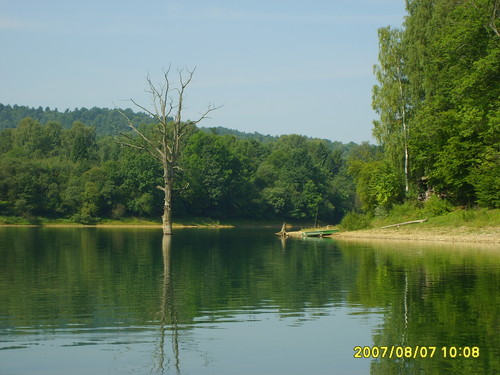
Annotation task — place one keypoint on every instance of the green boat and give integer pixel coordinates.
(319, 233)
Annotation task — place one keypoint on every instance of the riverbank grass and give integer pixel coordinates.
(457, 218)
(437, 214)
(463, 225)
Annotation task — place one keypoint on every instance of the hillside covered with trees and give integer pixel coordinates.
(49, 170)
(105, 121)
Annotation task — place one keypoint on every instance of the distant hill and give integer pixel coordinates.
(106, 121)
(219, 130)
(109, 122)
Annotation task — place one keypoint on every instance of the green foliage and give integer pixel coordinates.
(295, 179)
(355, 221)
(435, 206)
(486, 180)
(437, 97)
(377, 182)
(53, 171)
(79, 142)
(453, 59)
(136, 175)
(214, 175)
(391, 101)
(406, 212)
(85, 216)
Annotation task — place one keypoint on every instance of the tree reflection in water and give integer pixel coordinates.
(168, 318)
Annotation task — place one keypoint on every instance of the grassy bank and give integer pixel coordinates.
(455, 224)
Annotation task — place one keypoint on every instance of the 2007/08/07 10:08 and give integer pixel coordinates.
(415, 352)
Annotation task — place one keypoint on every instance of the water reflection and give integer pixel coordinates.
(439, 295)
(168, 320)
(229, 301)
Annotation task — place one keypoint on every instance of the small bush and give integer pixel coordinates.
(436, 206)
(118, 211)
(355, 221)
(85, 220)
(83, 217)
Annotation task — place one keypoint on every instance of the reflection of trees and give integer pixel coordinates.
(431, 298)
(168, 319)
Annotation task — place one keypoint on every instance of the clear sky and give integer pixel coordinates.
(276, 66)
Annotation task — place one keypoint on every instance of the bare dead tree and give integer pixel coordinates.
(164, 143)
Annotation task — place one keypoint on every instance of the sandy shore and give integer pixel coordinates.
(448, 234)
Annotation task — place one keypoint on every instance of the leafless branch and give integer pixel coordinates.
(136, 143)
(152, 114)
(204, 115)
(137, 131)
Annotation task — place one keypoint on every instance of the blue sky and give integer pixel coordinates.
(276, 66)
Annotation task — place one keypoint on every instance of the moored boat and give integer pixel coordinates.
(319, 233)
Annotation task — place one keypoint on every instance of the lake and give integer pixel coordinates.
(242, 301)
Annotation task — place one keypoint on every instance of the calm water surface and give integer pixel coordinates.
(230, 301)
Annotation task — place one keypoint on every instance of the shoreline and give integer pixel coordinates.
(489, 235)
(142, 226)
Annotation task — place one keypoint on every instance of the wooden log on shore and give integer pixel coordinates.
(405, 223)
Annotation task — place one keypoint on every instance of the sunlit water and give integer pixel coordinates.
(230, 301)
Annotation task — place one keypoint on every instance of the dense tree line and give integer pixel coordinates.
(438, 101)
(49, 170)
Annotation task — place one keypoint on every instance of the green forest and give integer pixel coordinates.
(50, 170)
(438, 132)
(438, 101)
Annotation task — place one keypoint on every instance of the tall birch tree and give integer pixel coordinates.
(390, 100)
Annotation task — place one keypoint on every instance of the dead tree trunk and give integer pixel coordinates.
(164, 142)
(167, 208)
